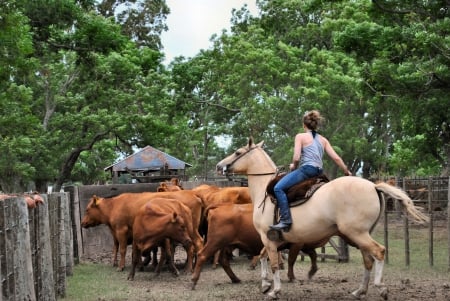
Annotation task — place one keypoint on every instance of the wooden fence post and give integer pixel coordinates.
(431, 225)
(386, 233)
(15, 251)
(42, 255)
(448, 221)
(58, 240)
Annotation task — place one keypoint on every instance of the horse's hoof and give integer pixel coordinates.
(357, 295)
(273, 295)
(265, 288)
(384, 293)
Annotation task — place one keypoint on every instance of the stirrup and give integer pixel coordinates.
(281, 226)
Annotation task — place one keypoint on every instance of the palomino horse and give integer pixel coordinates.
(347, 206)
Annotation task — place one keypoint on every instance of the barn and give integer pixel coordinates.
(148, 165)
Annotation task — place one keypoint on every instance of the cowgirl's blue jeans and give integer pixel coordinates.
(296, 176)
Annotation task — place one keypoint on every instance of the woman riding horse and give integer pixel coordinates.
(308, 150)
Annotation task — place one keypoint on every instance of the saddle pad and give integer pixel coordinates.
(308, 195)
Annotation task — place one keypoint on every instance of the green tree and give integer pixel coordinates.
(142, 21)
(84, 88)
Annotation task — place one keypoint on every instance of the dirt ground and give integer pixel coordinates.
(333, 281)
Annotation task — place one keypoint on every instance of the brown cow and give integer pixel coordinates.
(172, 185)
(231, 226)
(118, 214)
(158, 220)
(211, 194)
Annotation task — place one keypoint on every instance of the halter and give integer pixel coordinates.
(249, 174)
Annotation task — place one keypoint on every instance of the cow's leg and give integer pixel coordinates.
(208, 251)
(216, 259)
(202, 256)
(170, 257)
(115, 251)
(162, 259)
(123, 243)
(190, 252)
(154, 257)
(147, 258)
(225, 263)
(254, 262)
(136, 254)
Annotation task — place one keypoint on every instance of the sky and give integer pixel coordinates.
(192, 23)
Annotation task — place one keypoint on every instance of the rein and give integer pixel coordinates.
(250, 174)
(263, 202)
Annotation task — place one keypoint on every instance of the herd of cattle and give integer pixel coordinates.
(208, 221)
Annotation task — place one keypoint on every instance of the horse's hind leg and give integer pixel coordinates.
(378, 279)
(372, 253)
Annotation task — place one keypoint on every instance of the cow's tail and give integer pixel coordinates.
(408, 206)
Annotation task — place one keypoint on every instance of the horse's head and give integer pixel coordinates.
(249, 159)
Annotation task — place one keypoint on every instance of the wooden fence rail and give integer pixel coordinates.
(35, 248)
(38, 247)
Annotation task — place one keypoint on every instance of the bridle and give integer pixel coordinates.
(263, 203)
(242, 155)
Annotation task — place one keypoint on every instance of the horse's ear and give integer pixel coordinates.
(260, 144)
(250, 142)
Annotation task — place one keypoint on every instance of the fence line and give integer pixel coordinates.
(35, 248)
(38, 247)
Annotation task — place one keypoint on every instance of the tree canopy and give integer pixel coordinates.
(83, 82)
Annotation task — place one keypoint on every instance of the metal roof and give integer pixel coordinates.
(146, 159)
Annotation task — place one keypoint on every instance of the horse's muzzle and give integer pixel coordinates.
(221, 170)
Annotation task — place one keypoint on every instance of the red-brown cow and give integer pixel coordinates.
(118, 214)
(211, 194)
(158, 220)
(231, 226)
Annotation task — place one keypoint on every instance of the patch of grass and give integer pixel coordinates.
(419, 248)
(96, 282)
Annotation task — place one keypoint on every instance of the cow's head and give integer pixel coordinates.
(94, 215)
(153, 225)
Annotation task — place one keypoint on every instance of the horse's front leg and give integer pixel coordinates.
(273, 257)
(266, 284)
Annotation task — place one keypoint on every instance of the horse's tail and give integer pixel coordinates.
(407, 204)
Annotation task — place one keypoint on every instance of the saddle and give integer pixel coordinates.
(299, 193)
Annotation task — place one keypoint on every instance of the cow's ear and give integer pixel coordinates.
(96, 200)
(162, 187)
(174, 217)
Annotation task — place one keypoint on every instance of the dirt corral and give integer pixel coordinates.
(333, 281)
